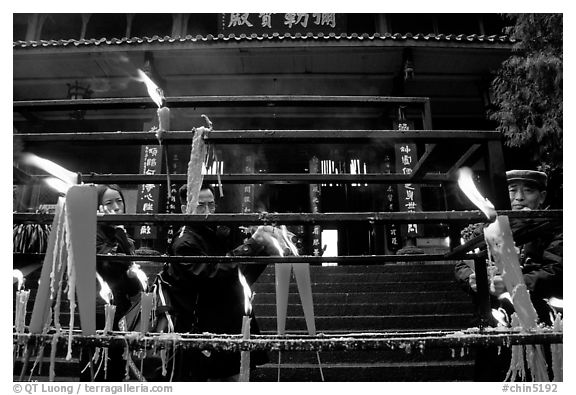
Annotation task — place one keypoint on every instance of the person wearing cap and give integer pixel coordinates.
(540, 261)
(540, 258)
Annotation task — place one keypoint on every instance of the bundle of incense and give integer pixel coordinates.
(195, 176)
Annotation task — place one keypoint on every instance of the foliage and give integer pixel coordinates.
(527, 89)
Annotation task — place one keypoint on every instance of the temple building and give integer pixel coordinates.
(300, 107)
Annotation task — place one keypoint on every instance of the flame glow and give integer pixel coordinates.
(154, 91)
(57, 184)
(48, 166)
(556, 303)
(105, 291)
(17, 274)
(278, 246)
(500, 316)
(288, 241)
(142, 277)
(466, 184)
(247, 293)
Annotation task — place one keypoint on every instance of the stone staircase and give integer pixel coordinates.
(376, 298)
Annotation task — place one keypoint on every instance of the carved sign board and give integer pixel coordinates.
(409, 198)
(260, 23)
(148, 194)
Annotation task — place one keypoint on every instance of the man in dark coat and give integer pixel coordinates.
(540, 261)
(540, 258)
(206, 297)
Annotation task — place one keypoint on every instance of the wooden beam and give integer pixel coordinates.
(215, 101)
(419, 168)
(267, 136)
(266, 178)
(463, 159)
(295, 218)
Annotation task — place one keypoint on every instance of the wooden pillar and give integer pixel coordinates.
(427, 116)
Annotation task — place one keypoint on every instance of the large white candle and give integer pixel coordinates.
(501, 246)
(245, 355)
(44, 295)
(81, 219)
(109, 312)
(164, 119)
(21, 303)
(146, 306)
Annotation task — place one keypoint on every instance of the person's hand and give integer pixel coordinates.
(103, 210)
(472, 282)
(497, 286)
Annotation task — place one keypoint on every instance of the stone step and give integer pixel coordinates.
(339, 277)
(378, 309)
(339, 287)
(405, 296)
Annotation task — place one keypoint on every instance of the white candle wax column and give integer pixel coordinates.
(109, 312)
(245, 355)
(164, 119)
(44, 295)
(21, 303)
(501, 246)
(146, 306)
(81, 218)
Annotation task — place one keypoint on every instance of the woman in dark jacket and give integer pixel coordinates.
(121, 276)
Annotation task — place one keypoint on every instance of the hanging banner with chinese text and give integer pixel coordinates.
(248, 189)
(148, 194)
(409, 198)
(260, 23)
(393, 242)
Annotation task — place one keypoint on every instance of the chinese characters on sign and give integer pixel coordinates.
(392, 230)
(259, 23)
(409, 199)
(248, 189)
(147, 197)
(315, 205)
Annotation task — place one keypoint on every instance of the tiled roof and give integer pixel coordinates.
(275, 37)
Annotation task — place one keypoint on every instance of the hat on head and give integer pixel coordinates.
(536, 178)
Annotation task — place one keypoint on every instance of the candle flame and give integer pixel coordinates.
(276, 244)
(466, 184)
(500, 316)
(556, 303)
(57, 184)
(105, 291)
(154, 91)
(287, 239)
(139, 273)
(248, 295)
(50, 167)
(19, 277)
